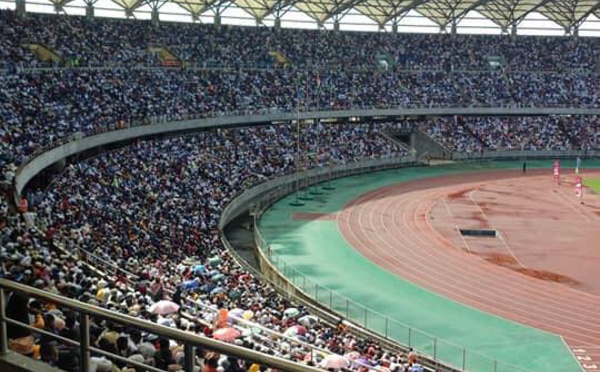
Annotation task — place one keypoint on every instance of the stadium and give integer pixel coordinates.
(370, 185)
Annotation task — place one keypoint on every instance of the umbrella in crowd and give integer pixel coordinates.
(217, 277)
(291, 312)
(198, 269)
(207, 287)
(227, 334)
(248, 314)
(334, 361)
(235, 313)
(214, 261)
(362, 361)
(353, 355)
(309, 321)
(191, 284)
(163, 307)
(294, 331)
(217, 290)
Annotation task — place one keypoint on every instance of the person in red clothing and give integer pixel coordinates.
(211, 362)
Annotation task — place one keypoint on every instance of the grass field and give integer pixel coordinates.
(594, 184)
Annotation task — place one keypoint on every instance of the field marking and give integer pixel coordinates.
(512, 253)
(568, 202)
(477, 204)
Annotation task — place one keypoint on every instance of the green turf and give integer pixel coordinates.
(593, 184)
(317, 258)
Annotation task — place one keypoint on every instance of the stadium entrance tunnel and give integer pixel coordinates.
(479, 233)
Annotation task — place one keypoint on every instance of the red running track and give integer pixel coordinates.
(391, 227)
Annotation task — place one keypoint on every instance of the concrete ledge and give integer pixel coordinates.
(13, 362)
(42, 161)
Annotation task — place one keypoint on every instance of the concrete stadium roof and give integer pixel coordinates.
(505, 13)
(568, 14)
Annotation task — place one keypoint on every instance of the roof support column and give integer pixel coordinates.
(20, 9)
(155, 19)
(277, 23)
(217, 21)
(89, 11)
(336, 25)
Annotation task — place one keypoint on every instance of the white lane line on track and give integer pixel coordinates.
(569, 203)
(449, 210)
(512, 253)
(477, 204)
(391, 259)
(430, 267)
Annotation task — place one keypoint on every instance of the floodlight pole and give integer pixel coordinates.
(297, 201)
(329, 186)
(318, 151)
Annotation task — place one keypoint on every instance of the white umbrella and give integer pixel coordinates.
(163, 307)
(334, 361)
(309, 321)
(294, 331)
(291, 312)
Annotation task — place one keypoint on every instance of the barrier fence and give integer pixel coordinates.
(85, 349)
(524, 155)
(428, 345)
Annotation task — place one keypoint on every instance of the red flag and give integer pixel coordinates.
(578, 187)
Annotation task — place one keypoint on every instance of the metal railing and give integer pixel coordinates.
(201, 66)
(428, 345)
(524, 154)
(85, 311)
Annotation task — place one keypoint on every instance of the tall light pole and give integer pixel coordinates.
(315, 190)
(297, 202)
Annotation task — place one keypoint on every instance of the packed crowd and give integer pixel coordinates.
(529, 133)
(38, 108)
(328, 71)
(132, 207)
(117, 42)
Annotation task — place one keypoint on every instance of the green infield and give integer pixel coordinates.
(593, 184)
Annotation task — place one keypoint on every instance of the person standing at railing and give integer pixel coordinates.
(412, 356)
(23, 205)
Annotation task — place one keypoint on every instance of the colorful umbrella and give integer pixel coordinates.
(199, 269)
(207, 287)
(163, 307)
(217, 277)
(217, 290)
(353, 355)
(334, 361)
(227, 334)
(214, 261)
(248, 314)
(190, 284)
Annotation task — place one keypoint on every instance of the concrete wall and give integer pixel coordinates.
(427, 147)
(521, 155)
(39, 163)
